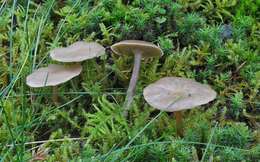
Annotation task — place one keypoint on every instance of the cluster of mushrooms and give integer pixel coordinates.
(56, 74)
(171, 94)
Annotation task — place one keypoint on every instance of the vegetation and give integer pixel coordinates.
(212, 41)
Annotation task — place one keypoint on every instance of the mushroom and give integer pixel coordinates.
(139, 49)
(52, 75)
(77, 52)
(174, 94)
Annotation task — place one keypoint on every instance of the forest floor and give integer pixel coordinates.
(215, 42)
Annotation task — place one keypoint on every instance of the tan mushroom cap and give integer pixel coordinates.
(77, 52)
(129, 47)
(52, 75)
(175, 94)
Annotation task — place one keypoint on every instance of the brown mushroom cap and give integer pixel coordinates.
(77, 52)
(175, 94)
(52, 75)
(130, 47)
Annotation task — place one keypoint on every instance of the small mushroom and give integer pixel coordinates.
(52, 75)
(77, 52)
(139, 49)
(174, 94)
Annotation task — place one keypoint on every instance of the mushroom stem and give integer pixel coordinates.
(179, 123)
(132, 85)
(55, 98)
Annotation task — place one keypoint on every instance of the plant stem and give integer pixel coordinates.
(132, 85)
(179, 123)
(55, 98)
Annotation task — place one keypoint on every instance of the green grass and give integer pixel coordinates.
(88, 123)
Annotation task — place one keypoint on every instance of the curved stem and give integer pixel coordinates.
(179, 123)
(132, 85)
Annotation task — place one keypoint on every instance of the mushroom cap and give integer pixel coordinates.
(77, 52)
(52, 75)
(176, 94)
(130, 47)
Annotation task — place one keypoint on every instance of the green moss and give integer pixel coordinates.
(214, 42)
(233, 135)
